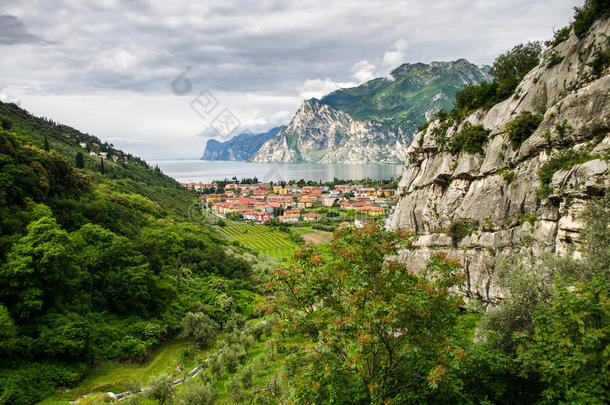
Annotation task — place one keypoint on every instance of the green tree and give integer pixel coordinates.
(509, 68)
(160, 389)
(46, 144)
(378, 333)
(199, 328)
(40, 270)
(80, 161)
(196, 393)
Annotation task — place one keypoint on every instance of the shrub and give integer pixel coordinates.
(554, 59)
(559, 36)
(565, 161)
(461, 228)
(471, 139)
(522, 127)
(600, 62)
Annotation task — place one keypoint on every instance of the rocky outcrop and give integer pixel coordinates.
(319, 133)
(495, 195)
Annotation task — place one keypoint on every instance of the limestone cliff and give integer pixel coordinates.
(320, 133)
(496, 196)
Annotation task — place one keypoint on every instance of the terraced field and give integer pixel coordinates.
(260, 238)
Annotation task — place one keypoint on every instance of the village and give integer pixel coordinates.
(340, 205)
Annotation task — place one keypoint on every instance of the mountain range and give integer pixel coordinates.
(240, 147)
(370, 122)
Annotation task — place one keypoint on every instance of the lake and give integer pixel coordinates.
(206, 171)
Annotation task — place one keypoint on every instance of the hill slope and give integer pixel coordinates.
(97, 263)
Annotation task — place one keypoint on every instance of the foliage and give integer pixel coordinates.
(554, 59)
(79, 161)
(381, 333)
(601, 61)
(160, 389)
(507, 70)
(199, 328)
(585, 16)
(97, 267)
(196, 393)
(559, 36)
(470, 139)
(555, 319)
(522, 127)
(460, 228)
(564, 160)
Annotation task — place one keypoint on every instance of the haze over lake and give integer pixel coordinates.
(206, 171)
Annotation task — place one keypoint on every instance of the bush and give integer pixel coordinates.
(461, 228)
(554, 59)
(565, 161)
(559, 36)
(199, 328)
(600, 62)
(471, 139)
(522, 127)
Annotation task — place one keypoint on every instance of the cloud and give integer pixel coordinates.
(12, 32)
(316, 88)
(396, 55)
(364, 71)
(264, 57)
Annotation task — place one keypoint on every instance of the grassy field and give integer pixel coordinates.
(260, 238)
(112, 377)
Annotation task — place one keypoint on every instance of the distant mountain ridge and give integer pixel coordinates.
(240, 147)
(369, 123)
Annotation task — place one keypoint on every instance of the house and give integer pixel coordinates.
(289, 218)
(93, 153)
(83, 145)
(328, 201)
(311, 217)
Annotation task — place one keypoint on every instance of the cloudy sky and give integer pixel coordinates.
(131, 71)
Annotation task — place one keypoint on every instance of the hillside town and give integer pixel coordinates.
(291, 204)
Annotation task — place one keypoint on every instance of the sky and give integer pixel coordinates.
(159, 78)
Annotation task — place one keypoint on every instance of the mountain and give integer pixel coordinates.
(320, 133)
(240, 147)
(369, 123)
(410, 96)
(498, 182)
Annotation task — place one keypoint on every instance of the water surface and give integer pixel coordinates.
(206, 171)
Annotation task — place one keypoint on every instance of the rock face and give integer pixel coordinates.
(370, 123)
(319, 133)
(495, 193)
(240, 147)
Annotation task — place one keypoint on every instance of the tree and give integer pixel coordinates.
(46, 144)
(196, 393)
(40, 270)
(509, 68)
(160, 388)
(6, 124)
(80, 161)
(199, 328)
(102, 165)
(378, 333)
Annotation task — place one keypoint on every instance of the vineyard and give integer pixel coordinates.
(260, 238)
